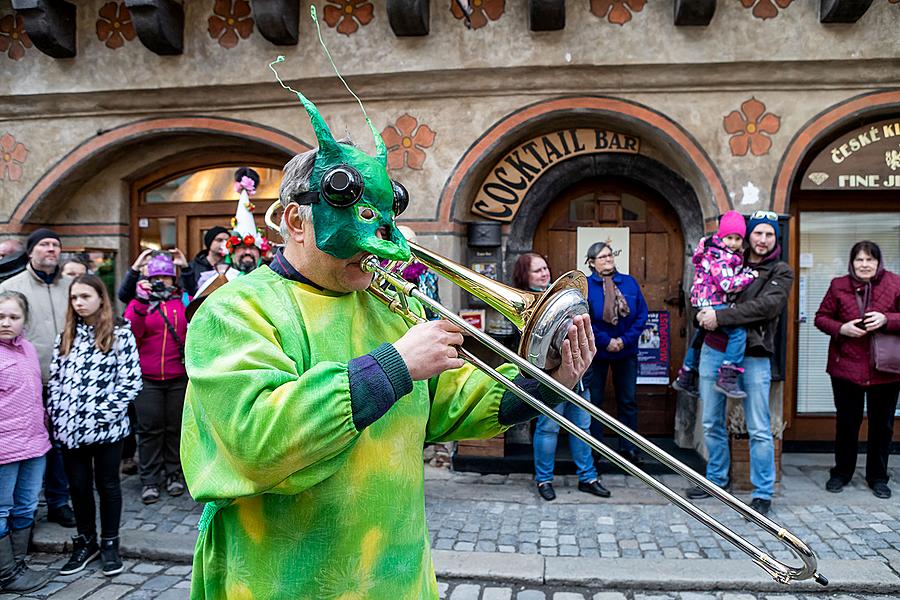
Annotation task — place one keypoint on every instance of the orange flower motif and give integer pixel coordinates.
(13, 39)
(751, 128)
(765, 9)
(482, 10)
(619, 11)
(114, 25)
(228, 22)
(405, 141)
(12, 157)
(345, 14)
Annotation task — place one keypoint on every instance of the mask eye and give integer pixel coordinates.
(366, 213)
(401, 197)
(342, 186)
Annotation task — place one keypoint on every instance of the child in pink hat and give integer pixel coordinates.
(720, 274)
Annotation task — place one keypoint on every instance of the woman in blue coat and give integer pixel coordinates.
(618, 314)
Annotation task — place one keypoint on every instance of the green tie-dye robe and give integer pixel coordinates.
(311, 507)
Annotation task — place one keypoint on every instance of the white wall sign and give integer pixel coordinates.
(616, 237)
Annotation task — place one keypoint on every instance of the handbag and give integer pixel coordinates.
(885, 346)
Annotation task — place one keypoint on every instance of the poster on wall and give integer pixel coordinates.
(653, 350)
(616, 237)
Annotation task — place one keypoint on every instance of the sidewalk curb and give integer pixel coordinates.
(700, 574)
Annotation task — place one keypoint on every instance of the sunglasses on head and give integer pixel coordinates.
(766, 215)
(343, 186)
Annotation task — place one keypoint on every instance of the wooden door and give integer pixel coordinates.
(656, 261)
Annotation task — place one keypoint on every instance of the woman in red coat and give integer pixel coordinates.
(856, 305)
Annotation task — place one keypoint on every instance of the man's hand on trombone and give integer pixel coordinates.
(578, 351)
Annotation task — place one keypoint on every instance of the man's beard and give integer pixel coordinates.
(246, 263)
(47, 265)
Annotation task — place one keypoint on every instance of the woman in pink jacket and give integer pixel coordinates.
(23, 430)
(159, 327)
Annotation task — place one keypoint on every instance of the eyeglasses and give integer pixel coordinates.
(603, 256)
(766, 215)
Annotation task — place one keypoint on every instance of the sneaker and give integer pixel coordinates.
(84, 550)
(835, 484)
(109, 557)
(727, 382)
(175, 485)
(61, 515)
(881, 490)
(150, 494)
(545, 489)
(761, 506)
(687, 382)
(129, 467)
(698, 493)
(594, 487)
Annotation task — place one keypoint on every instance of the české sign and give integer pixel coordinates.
(866, 158)
(502, 191)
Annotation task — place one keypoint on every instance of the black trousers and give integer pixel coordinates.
(158, 409)
(624, 373)
(89, 465)
(881, 403)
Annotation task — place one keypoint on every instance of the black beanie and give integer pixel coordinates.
(37, 235)
(211, 234)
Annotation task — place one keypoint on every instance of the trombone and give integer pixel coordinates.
(544, 320)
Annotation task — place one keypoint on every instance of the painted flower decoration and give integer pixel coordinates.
(114, 25)
(406, 141)
(617, 12)
(751, 128)
(345, 14)
(766, 9)
(12, 157)
(230, 19)
(482, 10)
(13, 39)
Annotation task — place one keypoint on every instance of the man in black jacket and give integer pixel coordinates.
(757, 309)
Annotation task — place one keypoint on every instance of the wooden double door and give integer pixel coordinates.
(656, 260)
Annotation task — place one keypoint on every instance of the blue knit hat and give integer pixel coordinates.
(763, 217)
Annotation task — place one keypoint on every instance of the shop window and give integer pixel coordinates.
(158, 233)
(825, 242)
(210, 185)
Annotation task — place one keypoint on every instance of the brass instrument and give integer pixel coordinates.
(544, 320)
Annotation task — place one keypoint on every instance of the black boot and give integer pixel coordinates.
(109, 556)
(84, 550)
(15, 576)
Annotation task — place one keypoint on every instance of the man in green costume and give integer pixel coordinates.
(309, 401)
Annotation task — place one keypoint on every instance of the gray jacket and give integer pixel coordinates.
(47, 304)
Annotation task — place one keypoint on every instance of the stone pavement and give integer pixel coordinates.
(496, 528)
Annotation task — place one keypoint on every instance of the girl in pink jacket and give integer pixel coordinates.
(719, 274)
(23, 431)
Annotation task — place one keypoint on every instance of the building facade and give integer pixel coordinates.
(120, 129)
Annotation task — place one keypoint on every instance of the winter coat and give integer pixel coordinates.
(23, 426)
(718, 273)
(198, 267)
(47, 305)
(628, 328)
(160, 352)
(89, 391)
(758, 307)
(851, 358)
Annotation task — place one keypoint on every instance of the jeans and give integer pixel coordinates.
(755, 381)
(159, 407)
(624, 371)
(881, 403)
(85, 466)
(734, 351)
(546, 433)
(20, 485)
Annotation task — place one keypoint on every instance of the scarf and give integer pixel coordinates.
(614, 303)
(863, 288)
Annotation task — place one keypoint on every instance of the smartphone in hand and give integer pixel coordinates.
(860, 324)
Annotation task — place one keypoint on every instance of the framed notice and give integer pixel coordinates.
(474, 317)
(617, 238)
(653, 350)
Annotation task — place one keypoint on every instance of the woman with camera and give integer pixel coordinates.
(159, 326)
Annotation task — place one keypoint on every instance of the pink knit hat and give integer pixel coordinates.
(732, 222)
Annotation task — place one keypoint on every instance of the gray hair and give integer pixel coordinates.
(295, 181)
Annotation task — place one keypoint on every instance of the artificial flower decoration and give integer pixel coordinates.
(230, 19)
(406, 141)
(348, 15)
(114, 27)
(617, 12)
(766, 9)
(245, 183)
(249, 240)
(750, 128)
(13, 39)
(233, 241)
(12, 157)
(482, 10)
